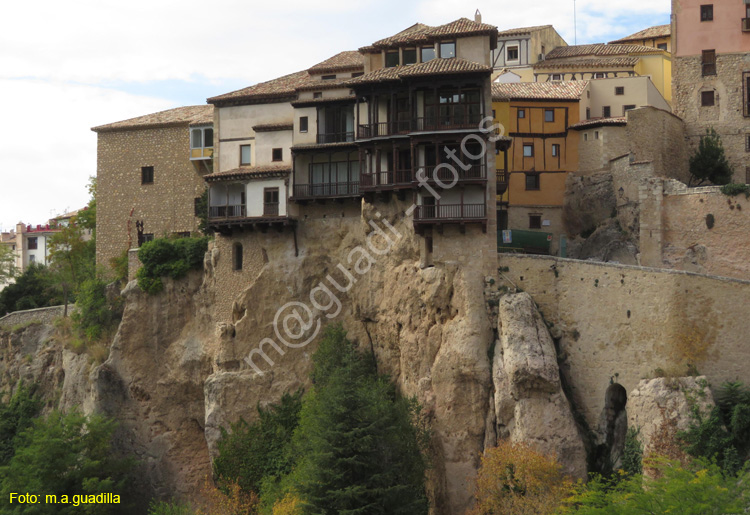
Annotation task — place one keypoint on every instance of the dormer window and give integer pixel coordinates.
(328, 77)
(428, 53)
(410, 55)
(201, 143)
(447, 49)
(391, 59)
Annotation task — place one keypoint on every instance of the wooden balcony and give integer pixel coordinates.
(229, 218)
(386, 180)
(475, 173)
(380, 129)
(447, 122)
(227, 211)
(501, 177)
(335, 137)
(441, 214)
(326, 190)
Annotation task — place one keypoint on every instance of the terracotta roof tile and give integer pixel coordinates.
(250, 172)
(599, 50)
(599, 122)
(522, 31)
(594, 62)
(438, 66)
(421, 33)
(271, 127)
(379, 75)
(539, 90)
(190, 115)
(343, 61)
(323, 100)
(276, 89)
(659, 31)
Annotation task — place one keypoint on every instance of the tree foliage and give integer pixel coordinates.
(709, 163)
(167, 257)
(514, 478)
(34, 288)
(15, 416)
(7, 263)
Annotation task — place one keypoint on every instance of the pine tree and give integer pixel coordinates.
(709, 163)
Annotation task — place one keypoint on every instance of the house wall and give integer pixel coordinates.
(166, 206)
(518, 218)
(658, 68)
(638, 91)
(691, 35)
(617, 322)
(254, 194)
(474, 48)
(265, 142)
(309, 137)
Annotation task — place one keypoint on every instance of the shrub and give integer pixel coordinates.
(709, 162)
(170, 508)
(632, 455)
(732, 190)
(120, 266)
(96, 313)
(15, 416)
(173, 258)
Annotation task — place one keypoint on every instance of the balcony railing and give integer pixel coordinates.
(270, 209)
(501, 177)
(327, 189)
(335, 137)
(386, 178)
(374, 130)
(450, 212)
(447, 122)
(452, 172)
(228, 211)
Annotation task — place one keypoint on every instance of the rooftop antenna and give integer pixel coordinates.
(575, 26)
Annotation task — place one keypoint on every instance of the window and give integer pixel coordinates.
(588, 113)
(276, 154)
(606, 111)
(600, 75)
(709, 62)
(318, 94)
(532, 181)
(585, 136)
(620, 90)
(147, 175)
(197, 211)
(528, 150)
(201, 137)
(747, 142)
(410, 55)
(245, 155)
(522, 113)
(32, 243)
(555, 150)
(549, 115)
(149, 236)
(707, 98)
(448, 49)
(328, 77)
(556, 76)
(391, 59)
(596, 134)
(428, 53)
(662, 46)
(237, 256)
(535, 221)
(303, 123)
(270, 201)
(512, 53)
(747, 174)
(32, 258)
(357, 74)
(627, 108)
(746, 93)
(707, 12)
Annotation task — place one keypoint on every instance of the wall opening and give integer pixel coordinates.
(237, 256)
(613, 428)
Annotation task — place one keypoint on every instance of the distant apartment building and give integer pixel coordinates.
(521, 48)
(711, 48)
(659, 36)
(149, 177)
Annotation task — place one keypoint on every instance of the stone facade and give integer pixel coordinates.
(727, 115)
(654, 319)
(166, 206)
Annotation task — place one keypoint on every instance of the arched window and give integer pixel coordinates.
(237, 256)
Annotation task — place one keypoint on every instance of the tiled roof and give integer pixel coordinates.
(599, 50)
(250, 172)
(420, 33)
(270, 127)
(191, 115)
(276, 89)
(599, 122)
(319, 85)
(447, 66)
(343, 61)
(594, 62)
(323, 100)
(317, 146)
(538, 90)
(521, 31)
(659, 31)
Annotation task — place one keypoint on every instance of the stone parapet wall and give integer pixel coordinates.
(39, 315)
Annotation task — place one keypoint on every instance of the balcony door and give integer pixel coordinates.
(337, 124)
(271, 202)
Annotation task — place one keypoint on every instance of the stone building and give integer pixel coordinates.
(711, 48)
(149, 176)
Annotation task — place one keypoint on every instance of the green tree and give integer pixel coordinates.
(360, 450)
(67, 455)
(202, 210)
(15, 416)
(7, 263)
(34, 288)
(709, 162)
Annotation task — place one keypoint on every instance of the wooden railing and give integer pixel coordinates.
(449, 212)
(501, 177)
(374, 130)
(451, 172)
(386, 178)
(327, 189)
(335, 137)
(227, 211)
(270, 209)
(447, 122)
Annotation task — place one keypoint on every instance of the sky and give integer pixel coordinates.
(68, 66)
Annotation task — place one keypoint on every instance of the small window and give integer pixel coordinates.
(317, 94)
(448, 49)
(747, 174)
(556, 76)
(528, 150)
(237, 256)
(149, 236)
(512, 53)
(549, 115)
(596, 134)
(585, 136)
(707, 98)
(428, 53)
(708, 64)
(620, 90)
(303, 123)
(627, 108)
(147, 175)
(328, 77)
(32, 258)
(555, 150)
(245, 155)
(600, 75)
(357, 74)
(197, 211)
(410, 55)
(32, 243)
(707, 12)
(747, 143)
(277, 155)
(391, 59)
(662, 46)
(588, 113)
(522, 113)
(532, 181)
(535, 221)
(606, 112)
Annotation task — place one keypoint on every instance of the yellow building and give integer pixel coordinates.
(659, 37)
(537, 116)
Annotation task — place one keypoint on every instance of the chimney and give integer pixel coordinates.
(478, 16)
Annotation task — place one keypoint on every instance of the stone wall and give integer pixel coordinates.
(166, 206)
(726, 116)
(40, 315)
(621, 323)
(133, 263)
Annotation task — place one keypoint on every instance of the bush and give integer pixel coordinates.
(170, 508)
(733, 190)
(34, 288)
(173, 258)
(96, 314)
(632, 455)
(709, 162)
(16, 416)
(120, 266)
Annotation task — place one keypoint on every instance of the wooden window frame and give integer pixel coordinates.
(555, 150)
(391, 53)
(549, 111)
(535, 221)
(536, 184)
(448, 42)
(707, 12)
(268, 209)
(529, 146)
(619, 90)
(147, 174)
(606, 111)
(517, 50)
(708, 98)
(36, 243)
(521, 113)
(277, 154)
(304, 124)
(708, 63)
